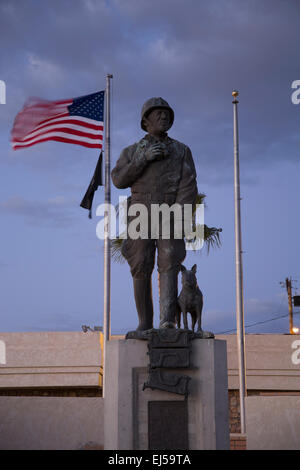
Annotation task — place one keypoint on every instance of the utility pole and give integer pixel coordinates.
(288, 283)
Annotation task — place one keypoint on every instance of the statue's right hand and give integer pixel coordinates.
(154, 151)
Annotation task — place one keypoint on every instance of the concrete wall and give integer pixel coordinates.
(58, 359)
(272, 362)
(51, 359)
(273, 423)
(43, 423)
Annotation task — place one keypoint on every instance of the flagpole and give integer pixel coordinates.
(107, 255)
(238, 266)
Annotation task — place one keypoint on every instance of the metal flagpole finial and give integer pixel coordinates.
(235, 93)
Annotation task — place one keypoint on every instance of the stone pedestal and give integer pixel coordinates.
(132, 415)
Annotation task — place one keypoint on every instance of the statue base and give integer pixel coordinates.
(170, 332)
(180, 402)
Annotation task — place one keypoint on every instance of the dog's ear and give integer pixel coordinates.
(194, 269)
(182, 268)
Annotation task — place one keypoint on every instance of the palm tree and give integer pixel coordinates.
(211, 235)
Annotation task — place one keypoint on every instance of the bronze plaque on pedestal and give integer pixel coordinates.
(168, 425)
(164, 380)
(170, 358)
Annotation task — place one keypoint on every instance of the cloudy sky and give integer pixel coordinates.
(192, 53)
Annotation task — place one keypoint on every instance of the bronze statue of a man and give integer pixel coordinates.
(158, 170)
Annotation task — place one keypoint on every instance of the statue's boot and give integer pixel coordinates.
(168, 299)
(144, 303)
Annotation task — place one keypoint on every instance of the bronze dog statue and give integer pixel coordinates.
(190, 299)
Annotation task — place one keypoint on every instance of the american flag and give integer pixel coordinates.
(74, 121)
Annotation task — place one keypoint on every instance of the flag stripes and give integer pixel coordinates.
(78, 121)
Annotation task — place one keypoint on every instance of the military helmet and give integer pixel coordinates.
(153, 103)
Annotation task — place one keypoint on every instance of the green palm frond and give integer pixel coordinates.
(116, 247)
(212, 237)
(200, 198)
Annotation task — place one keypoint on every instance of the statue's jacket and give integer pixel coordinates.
(171, 179)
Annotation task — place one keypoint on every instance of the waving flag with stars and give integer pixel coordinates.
(74, 121)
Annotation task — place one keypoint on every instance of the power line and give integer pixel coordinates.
(258, 323)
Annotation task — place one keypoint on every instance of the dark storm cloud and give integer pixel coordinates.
(192, 53)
